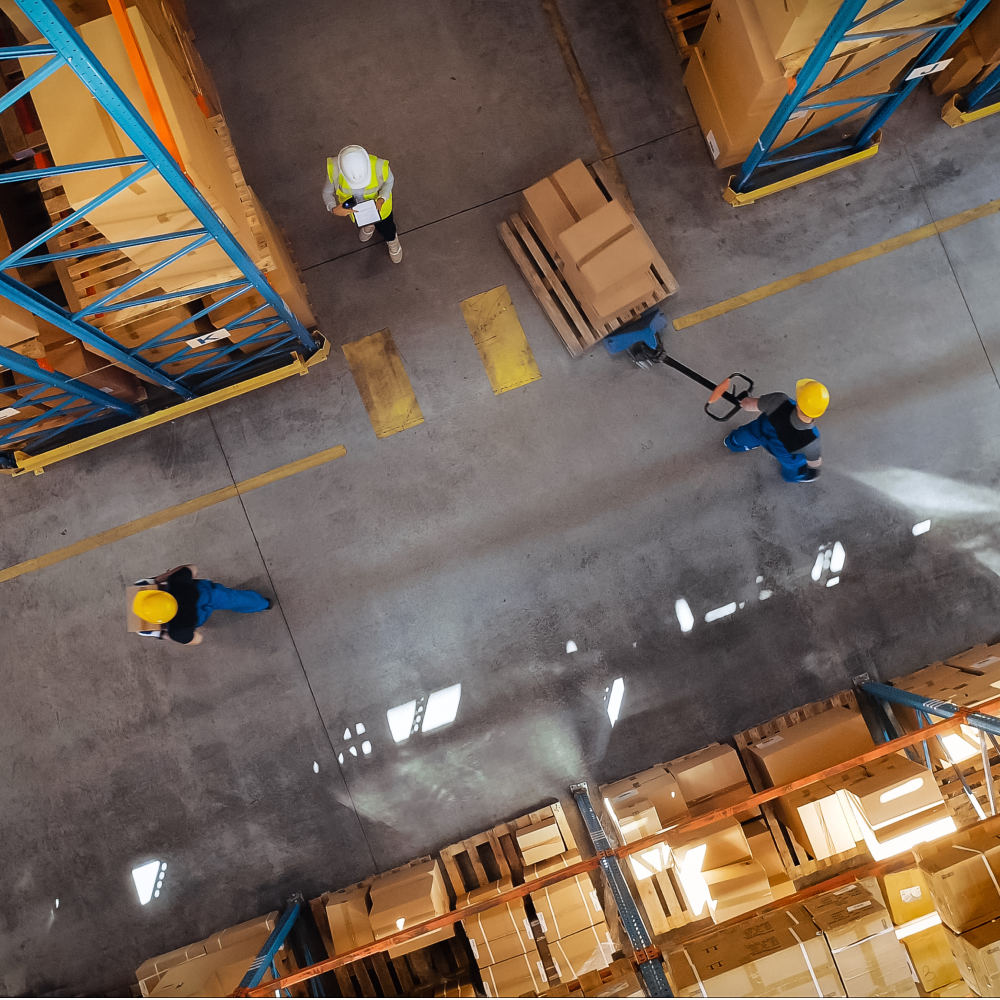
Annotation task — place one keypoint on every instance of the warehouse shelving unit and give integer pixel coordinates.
(962, 110)
(281, 343)
(768, 170)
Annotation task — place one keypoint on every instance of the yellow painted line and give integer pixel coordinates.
(383, 383)
(38, 463)
(499, 338)
(171, 513)
(838, 264)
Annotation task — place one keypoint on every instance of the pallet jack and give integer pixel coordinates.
(641, 339)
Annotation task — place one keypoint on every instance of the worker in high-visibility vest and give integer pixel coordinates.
(786, 428)
(355, 176)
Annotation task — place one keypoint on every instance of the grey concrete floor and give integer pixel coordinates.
(470, 549)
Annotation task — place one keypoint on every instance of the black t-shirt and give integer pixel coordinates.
(182, 586)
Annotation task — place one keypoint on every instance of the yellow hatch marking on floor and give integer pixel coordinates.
(838, 264)
(499, 338)
(171, 513)
(383, 383)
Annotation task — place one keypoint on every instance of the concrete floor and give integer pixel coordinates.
(471, 548)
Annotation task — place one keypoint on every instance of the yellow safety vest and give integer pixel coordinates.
(344, 189)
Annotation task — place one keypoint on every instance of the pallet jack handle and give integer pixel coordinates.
(728, 389)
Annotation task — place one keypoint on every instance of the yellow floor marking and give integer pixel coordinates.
(838, 264)
(384, 386)
(171, 513)
(499, 338)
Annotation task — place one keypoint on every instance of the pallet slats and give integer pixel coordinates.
(684, 19)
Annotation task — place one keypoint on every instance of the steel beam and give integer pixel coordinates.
(646, 953)
(982, 90)
(274, 941)
(931, 706)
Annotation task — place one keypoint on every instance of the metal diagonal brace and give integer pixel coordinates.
(274, 941)
(646, 952)
(931, 706)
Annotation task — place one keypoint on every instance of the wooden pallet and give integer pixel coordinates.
(487, 857)
(685, 21)
(418, 973)
(578, 326)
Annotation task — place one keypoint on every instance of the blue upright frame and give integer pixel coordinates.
(976, 97)
(929, 42)
(272, 324)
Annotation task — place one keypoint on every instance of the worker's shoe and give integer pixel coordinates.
(809, 476)
(395, 250)
(366, 233)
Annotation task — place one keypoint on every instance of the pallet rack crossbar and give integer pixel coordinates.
(99, 248)
(16, 176)
(163, 339)
(30, 82)
(209, 362)
(25, 51)
(193, 293)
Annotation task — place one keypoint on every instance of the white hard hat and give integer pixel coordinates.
(356, 165)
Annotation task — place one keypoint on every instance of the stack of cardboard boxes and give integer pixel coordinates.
(919, 929)
(975, 55)
(962, 874)
(601, 251)
(835, 944)
(621, 980)
(751, 50)
(540, 841)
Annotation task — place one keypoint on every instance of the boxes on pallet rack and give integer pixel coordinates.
(407, 896)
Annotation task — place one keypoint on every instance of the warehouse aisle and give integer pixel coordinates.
(471, 549)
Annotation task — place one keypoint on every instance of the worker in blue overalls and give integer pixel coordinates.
(786, 428)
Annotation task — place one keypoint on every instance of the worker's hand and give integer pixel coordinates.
(341, 211)
(750, 404)
(379, 202)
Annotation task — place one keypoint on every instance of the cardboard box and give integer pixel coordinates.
(579, 190)
(422, 941)
(603, 250)
(713, 846)
(515, 976)
(347, 914)
(931, 956)
(906, 895)
(962, 873)
(725, 798)
(540, 841)
(499, 934)
(819, 820)
(411, 895)
(637, 819)
(735, 889)
(658, 786)
(567, 907)
(895, 838)
(811, 745)
(977, 957)
(487, 891)
(859, 931)
(624, 983)
(890, 789)
(777, 955)
(559, 201)
(550, 865)
(763, 850)
(977, 660)
(738, 59)
(585, 951)
(77, 362)
(985, 31)
(16, 324)
(700, 775)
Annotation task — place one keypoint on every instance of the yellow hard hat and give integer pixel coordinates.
(155, 606)
(811, 397)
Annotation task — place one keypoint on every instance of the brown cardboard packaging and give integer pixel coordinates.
(966, 63)
(811, 745)
(637, 819)
(962, 875)
(977, 660)
(547, 867)
(699, 775)
(559, 201)
(724, 844)
(777, 955)
(985, 31)
(630, 293)
(932, 958)
(736, 889)
(16, 324)
(413, 894)
(540, 841)
(818, 820)
(891, 789)
(762, 849)
(499, 934)
(567, 907)
(657, 785)
(859, 931)
(579, 190)
(585, 951)
(977, 957)
(624, 982)
(347, 914)
(906, 895)
(738, 60)
(515, 976)
(728, 797)
(423, 941)
(77, 362)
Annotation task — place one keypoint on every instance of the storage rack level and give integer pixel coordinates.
(981, 102)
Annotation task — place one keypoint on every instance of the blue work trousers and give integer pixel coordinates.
(760, 433)
(215, 597)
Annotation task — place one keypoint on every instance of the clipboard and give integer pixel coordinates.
(366, 213)
(134, 622)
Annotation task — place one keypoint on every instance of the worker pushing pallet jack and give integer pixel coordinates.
(785, 428)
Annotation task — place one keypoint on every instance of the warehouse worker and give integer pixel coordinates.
(786, 428)
(353, 177)
(182, 603)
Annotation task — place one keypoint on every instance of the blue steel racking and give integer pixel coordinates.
(280, 331)
(928, 43)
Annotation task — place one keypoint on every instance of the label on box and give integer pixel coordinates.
(713, 146)
(770, 741)
(917, 72)
(11, 411)
(527, 926)
(626, 795)
(911, 894)
(207, 338)
(596, 901)
(986, 662)
(486, 986)
(475, 950)
(541, 922)
(859, 906)
(796, 115)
